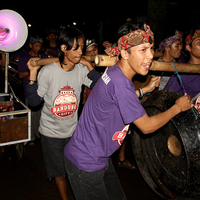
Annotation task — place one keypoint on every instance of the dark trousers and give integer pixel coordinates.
(103, 184)
(53, 153)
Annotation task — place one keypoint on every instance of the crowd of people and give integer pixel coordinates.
(81, 149)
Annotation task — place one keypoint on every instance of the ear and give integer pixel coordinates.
(124, 54)
(30, 45)
(63, 47)
(167, 48)
(188, 47)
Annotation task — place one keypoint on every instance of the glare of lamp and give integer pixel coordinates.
(13, 30)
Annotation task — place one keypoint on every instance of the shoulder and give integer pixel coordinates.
(49, 68)
(114, 71)
(81, 69)
(43, 55)
(80, 66)
(23, 61)
(51, 65)
(117, 77)
(25, 57)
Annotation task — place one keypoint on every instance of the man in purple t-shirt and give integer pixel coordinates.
(111, 106)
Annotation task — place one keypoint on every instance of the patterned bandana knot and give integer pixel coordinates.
(189, 39)
(134, 38)
(169, 41)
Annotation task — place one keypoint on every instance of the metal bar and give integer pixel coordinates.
(15, 112)
(14, 142)
(29, 125)
(6, 72)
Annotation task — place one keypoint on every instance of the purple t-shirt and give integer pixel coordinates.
(191, 83)
(103, 124)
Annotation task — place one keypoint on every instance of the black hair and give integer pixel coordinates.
(185, 52)
(168, 34)
(35, 39)
(192, 31)
(128, 28)
(67, 37)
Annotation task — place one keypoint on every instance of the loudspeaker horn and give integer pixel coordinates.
(13, 30)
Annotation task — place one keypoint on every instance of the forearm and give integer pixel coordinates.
(94, 76)
(33, 75)
(3, 58)
(150, 124)
(154, 82)
(144, 91)
(137, 92)
(23, 74)
(33, 98)
(158, 121)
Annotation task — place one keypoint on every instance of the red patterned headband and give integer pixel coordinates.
(189, 39)
(134, 38)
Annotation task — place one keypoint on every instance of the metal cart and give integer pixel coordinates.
(15, 117)
(15, 123)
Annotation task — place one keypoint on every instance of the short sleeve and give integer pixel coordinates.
(42, 80)
(129, 105)
(86, 81)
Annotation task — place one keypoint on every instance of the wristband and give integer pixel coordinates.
(141, 92)
(31, 81)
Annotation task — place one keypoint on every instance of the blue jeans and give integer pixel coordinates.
(98, 185)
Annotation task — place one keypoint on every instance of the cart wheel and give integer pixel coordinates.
(19, 150)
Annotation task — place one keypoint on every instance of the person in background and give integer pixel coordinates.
(108, 45)
(191, 82)
(35, 45)
(51, 49)
(171, 48)
(2, 58)
(91, 47)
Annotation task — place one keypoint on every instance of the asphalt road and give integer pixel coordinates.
(25, 179)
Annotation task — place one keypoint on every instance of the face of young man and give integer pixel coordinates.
(51, 37)
(195, 48)
(74, 55)
(175, 49)
(36, 47)
(140, 58)
(92, 50)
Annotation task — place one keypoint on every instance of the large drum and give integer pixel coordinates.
(169, 159)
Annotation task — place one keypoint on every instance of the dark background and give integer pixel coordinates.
(101, 19)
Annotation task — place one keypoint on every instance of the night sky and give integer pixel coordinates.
(42, 15)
